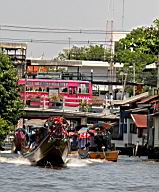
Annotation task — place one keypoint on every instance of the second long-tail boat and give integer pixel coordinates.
(102, 148)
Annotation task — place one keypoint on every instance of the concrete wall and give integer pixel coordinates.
(156, 134)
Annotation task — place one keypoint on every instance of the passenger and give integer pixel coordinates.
(34, 140)
(93, 145)
(98, 139)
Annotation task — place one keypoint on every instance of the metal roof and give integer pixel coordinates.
(13, 45)
(140, 120)
(130, 100)
(69, 63)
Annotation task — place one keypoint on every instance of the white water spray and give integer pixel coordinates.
(11, 158)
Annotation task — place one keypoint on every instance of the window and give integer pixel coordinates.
(47, 89)
(36, 83)
(29, 83)
(62, 84)
(70, 91)
(83, 88)
(64, 90)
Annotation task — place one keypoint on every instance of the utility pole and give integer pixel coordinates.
(134, 73)
(111, 69)
(124, 85)
(69, 44)
(106, 36)
(25, 84)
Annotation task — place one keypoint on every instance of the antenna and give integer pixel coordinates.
(123, 14)
(106, 39)
(111, 60)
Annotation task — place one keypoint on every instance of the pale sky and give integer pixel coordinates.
(72, 14)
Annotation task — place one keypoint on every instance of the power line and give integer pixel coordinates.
(28, 29)
(101, 42)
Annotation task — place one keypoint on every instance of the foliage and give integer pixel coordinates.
(141, 47)
(84, 106)
(10, 103)
(5, 128)
(56, 98)
(95, 53)
(96, 100)
(156, 23)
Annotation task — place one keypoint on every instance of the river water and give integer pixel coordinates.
(128, 174)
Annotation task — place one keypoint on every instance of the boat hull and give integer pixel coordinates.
(49, 152)
(108, 155)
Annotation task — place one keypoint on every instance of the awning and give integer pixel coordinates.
(35, 122)
(140, 120)
(83, 130)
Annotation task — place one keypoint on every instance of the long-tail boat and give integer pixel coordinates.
(102, 148)
(44, 146)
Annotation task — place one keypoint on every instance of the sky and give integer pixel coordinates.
(75, 15)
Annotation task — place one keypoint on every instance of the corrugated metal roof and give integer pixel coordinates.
(148, 99)
(140, 120)
(130, 100)
(13, 45)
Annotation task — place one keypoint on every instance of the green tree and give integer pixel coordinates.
(140, 46)
(10, 103)
(95, 53)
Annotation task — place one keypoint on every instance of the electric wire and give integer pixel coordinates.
(102, 42)
(14, 28)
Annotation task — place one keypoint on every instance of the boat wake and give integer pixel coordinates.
(77, 162)
(11, 158)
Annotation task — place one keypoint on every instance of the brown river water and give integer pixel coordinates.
(128, 174)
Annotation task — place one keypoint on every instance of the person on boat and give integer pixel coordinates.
(21, 139)
(98, 139)
(58, 127)
(74, 141)
(93, 145)
(105, 139)
(34, 140)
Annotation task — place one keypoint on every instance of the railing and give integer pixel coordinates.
(68, 103)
